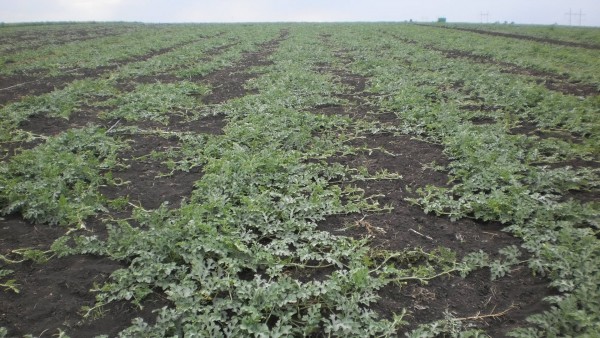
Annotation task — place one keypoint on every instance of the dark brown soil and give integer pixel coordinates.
(146, 181)
(482, 120)
(46, 125)
(520, 37)
(52, 294)
(531, 129)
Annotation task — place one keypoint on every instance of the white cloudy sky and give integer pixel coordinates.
(519, 11)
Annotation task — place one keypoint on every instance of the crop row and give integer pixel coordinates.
(103, 51)
(18, 38)
(582, 35)
(582, 65)
(193, 60)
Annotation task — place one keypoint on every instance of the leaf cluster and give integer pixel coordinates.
(57, 182)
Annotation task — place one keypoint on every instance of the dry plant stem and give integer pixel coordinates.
(489, 233)
(420, 234)
(490, 315)
(113, 126)
(370, 228)
(424, 279)
(19, 84)
(10, 261)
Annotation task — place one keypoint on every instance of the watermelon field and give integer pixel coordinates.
(299, 180)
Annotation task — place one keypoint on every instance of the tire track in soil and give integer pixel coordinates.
(520, 37)
(552, 81)
(13, 88)
(407, 226)
(52, 293)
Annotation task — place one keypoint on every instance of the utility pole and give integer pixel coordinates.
(580, 15)
(570, 14)
(485, 15)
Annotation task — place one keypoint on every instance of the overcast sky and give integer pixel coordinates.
(519, 11)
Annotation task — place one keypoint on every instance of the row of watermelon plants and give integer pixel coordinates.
(578, 64)
(19, 37)
(191, 60)
(584, 35)
(55, 60)
(497, 174)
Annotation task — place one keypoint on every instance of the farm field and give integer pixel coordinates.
(271, 180)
